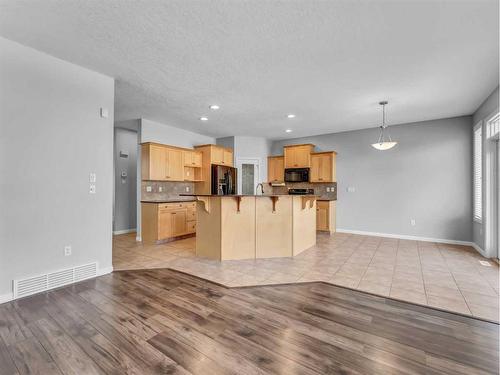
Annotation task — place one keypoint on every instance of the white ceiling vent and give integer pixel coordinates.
(37, 284)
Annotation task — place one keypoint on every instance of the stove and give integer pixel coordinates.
(301, 191)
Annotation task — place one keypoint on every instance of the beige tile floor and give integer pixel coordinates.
(447, 277)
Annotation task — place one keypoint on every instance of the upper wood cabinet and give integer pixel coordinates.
(216, 155)
(227, 157)
(323, 167)
(169, 163)
(275, 169)
(174, 166)
(192, 158)
(298, 156)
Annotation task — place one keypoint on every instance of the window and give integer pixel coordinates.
(478, 178)
(493, 126)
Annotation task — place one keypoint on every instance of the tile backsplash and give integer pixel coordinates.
(319, 189)
(169, 190)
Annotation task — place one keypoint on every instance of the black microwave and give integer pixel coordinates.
(297, 175)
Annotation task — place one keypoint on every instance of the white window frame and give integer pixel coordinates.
(477, 178)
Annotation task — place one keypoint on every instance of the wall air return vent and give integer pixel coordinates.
(37, 284)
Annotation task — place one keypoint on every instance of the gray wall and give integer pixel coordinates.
(249, 147)
(51, 138)
(426, 177)
(125, 208)
(486, 109)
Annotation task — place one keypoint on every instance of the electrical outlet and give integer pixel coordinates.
(92, 189)
(67, 251)
(187, 189)
(413, 222)
(351, 189)
(149, 189)
(327, 189)
(160, 189)
(92, 177)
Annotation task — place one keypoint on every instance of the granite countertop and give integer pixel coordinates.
(172, 200)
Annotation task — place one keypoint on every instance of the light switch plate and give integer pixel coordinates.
(160, 189)
(149, 189)
(351, 189)
(187, 189)
(104, 113)
(92, 189)
(92, 177)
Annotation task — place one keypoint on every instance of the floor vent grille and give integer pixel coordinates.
(37, 284)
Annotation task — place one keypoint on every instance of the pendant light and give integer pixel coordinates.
(382, 143)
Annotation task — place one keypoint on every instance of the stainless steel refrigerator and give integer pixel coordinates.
(223, 180)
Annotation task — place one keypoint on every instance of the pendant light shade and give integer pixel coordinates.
(384, 143)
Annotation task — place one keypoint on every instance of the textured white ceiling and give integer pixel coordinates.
(329, 62)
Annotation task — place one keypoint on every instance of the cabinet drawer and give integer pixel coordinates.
(171, 206)
(191, 214)
(191, 226)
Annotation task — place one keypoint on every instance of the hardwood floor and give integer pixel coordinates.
(165, 322)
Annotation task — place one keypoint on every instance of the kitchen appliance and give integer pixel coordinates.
(297, 175)
(223, 180)
(301, 191)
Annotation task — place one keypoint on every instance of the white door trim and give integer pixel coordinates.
(239, 164)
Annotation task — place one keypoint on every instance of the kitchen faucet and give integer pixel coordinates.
(261, 189)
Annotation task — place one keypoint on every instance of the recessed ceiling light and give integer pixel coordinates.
(290, 115)
(214, 107)
(204, 118)
(288, 130)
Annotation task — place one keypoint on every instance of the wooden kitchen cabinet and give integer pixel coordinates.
(174, 165)
(323, 167)
(326, 216)
(153, 162)
(212, 154)
(169, 163)
(167, 221)
(192, 159)
(275, 169)
(298, 156)
(217, 155)
(227, 158)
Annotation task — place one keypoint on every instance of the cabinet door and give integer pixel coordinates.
(275, 169)
(164, 224)
(326, 168)
(179, 224)
(322, 222)
(316, 162)
(298, 156)
(157, 163)
(196, 159)
(188, 158)
(227, 157)
(302, 157)
(217, 155)
(175, 167)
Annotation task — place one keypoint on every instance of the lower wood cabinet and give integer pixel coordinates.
(326, 216)
(164, 221)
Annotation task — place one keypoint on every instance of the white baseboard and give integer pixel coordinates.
(104, 271)
(6, 297)
(479, 249)
(406, 237)
(124, 231)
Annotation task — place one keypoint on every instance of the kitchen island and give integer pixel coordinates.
(254, 226)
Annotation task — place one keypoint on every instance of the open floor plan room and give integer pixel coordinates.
(249, 187)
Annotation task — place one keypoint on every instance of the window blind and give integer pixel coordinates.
(478, 204)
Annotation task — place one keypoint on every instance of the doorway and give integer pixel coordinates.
(492, 186)
(248, 175)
